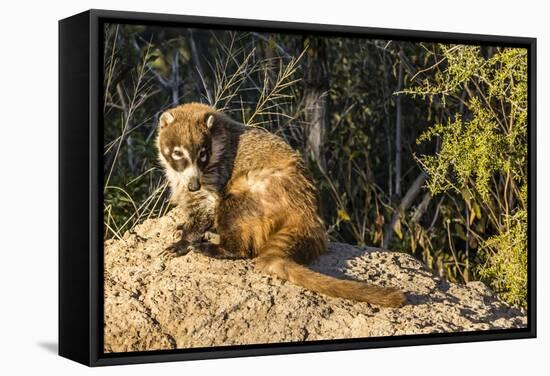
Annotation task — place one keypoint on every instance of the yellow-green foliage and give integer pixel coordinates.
(483, 153)
(506, 260)
(467, 153)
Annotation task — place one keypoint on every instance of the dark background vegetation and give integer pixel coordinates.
(417, 147)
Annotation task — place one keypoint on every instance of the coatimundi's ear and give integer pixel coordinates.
(210, 121)
(166, 119)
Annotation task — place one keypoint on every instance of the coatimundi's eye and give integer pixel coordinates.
(203, 156)
(177, 154)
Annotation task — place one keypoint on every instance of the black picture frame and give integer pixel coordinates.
(80, 193)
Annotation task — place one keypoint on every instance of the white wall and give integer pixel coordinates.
(28, 210)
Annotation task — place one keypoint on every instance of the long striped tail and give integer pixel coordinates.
(272, 261)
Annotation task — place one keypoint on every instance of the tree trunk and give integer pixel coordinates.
(398, 131)
(387, 122)
(316, 110)
(175, 79)
(196, 56)
(316, 101)
(406, 202)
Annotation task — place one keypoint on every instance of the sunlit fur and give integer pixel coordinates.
(257, 195)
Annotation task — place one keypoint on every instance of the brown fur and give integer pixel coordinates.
(257, 195)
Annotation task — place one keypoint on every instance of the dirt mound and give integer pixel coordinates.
(194, 301)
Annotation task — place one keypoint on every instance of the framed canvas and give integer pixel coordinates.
(239, 187)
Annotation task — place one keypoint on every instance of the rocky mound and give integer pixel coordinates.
(193, 301)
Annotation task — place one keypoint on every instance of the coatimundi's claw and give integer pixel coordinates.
(177, 249)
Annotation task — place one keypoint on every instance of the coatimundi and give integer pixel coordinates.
(250, 192)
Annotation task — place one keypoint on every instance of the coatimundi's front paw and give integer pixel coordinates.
(179, 248)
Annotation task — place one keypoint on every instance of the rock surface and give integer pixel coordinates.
(193, 301)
